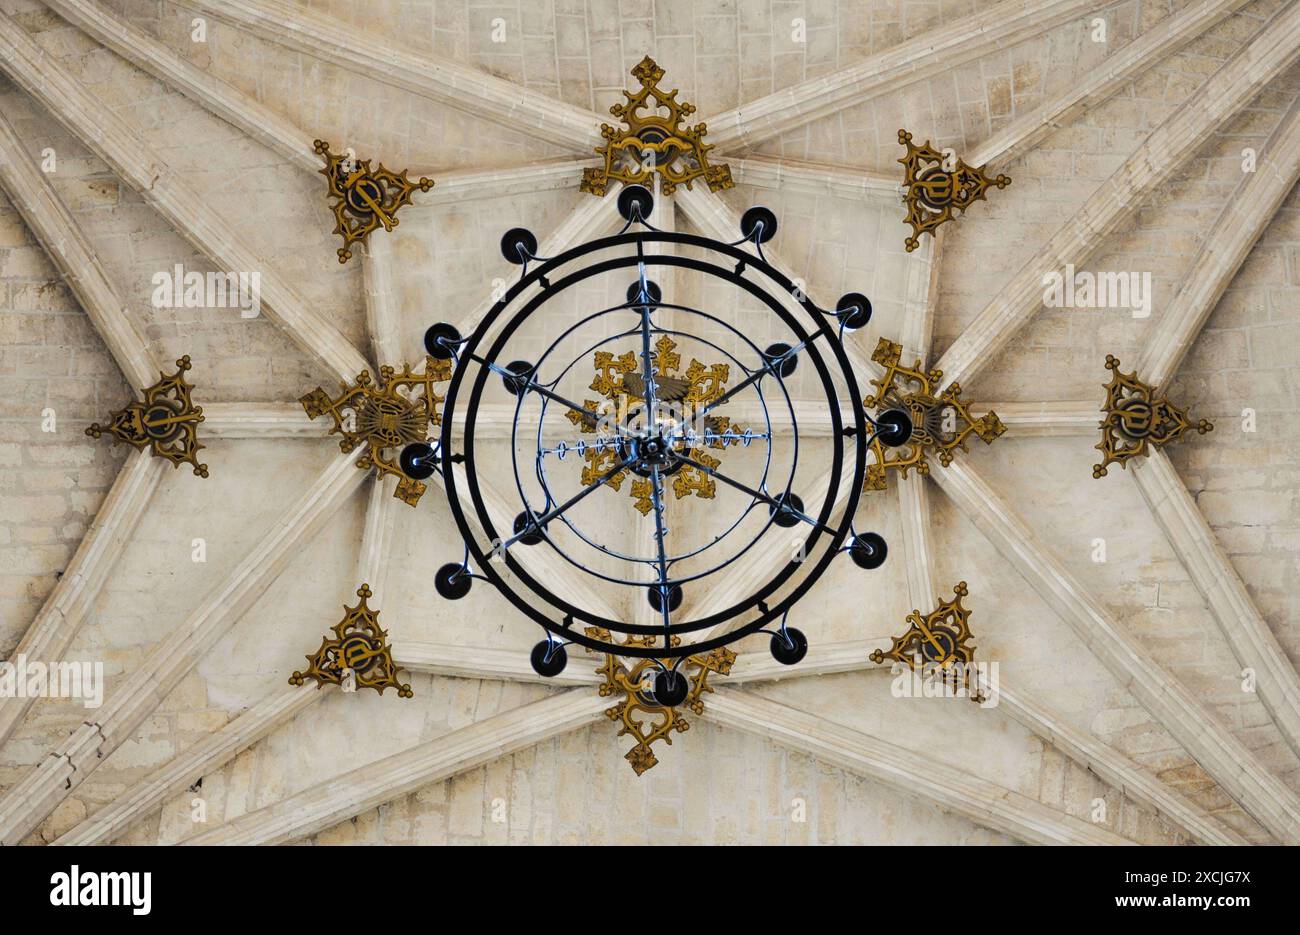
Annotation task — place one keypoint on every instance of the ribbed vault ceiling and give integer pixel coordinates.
(1121, 679)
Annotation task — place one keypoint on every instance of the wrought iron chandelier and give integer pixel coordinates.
(652, 428)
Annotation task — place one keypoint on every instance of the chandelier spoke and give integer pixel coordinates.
(525, 383)
(782, 363)
(579, 446)
(647, 362)
(780, 505)
(662, 561)
(536, 524)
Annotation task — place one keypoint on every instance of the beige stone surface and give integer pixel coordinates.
(197, 653)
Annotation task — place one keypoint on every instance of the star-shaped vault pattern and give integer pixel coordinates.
(202, 594)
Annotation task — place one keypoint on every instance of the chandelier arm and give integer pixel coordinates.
(660, 532)
(561, 448)
(684, 432)
(578, 446)
(756, 494)
(769, 366)
(656, 482)
(531, 384)
(539, 521)
(742, 385)
(647, 367)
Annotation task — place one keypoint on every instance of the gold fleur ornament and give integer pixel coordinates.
(937, 183)
(364, 199)
(642, 716)
(939, 640)
(1137, 417)
(357, 654)
(165, 421)
(941, 421)
(651, 143)
(377, 418)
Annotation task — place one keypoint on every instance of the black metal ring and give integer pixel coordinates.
(755, 602)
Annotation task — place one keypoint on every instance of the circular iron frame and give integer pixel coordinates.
(566, 628)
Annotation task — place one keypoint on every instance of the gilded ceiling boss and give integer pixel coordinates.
(664, 388)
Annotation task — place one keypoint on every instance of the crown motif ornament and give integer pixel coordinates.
(396, 411)
(651, 144)
(636, 686)
(358, 651)
(935, 183)
(1137, 418)
(165, 422)
(683, 393)
(364, 199)
(941, 421)
(938, 641)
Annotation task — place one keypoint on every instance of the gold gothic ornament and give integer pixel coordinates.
(364, 199)
(1136, 418)
(636, 684)
(357, 656)
(935, 183)
(165, 422)
(940, 423)
(653, 142)
(938, 641)
(684, 393)
(382, 416)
